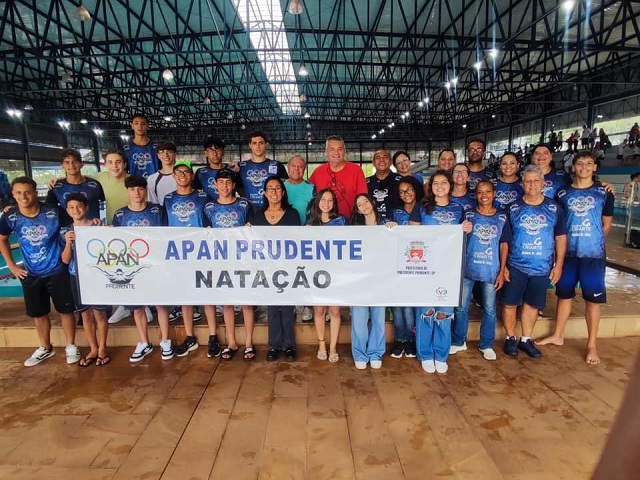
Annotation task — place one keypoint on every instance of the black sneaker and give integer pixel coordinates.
(410, 349)
(189, 345)
(398, 350)
(214, 347)
(175, 314)
(197, 315)
(511, 346)
(529, 348)
(290, 355)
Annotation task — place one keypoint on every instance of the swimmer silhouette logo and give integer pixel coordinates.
(118, 260)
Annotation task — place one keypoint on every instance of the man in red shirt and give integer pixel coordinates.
(346, 179)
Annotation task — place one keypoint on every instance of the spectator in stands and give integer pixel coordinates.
(634, 134)
(584, 137)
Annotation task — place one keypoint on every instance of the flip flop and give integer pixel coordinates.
(102, 361)
(86, 361)
(249, 353)
(228, 353)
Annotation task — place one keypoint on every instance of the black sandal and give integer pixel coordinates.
(228, 353)
(249, 353)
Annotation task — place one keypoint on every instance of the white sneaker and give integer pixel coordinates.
(376, 364)
(166, 349)
(147, 312)
(197, 315)
(141, 351)
(441, 367)
(361, 365)
(488, 354)
(119, 314)
(73, 354)
(39, 355)
(429, 366)
(237, 310)
(220, 311)
(457, 348)
(307, 314)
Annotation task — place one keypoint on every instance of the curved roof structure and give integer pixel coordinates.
(409, 68)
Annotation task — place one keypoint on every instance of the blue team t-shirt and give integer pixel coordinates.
(507, 193)
(584, 209)
(554, 181)
(401, 216)
(90, 189)
(152, 216)
(205, 180)
(38, 239)
(186, 210)
(253, 176)
(467, 201)
(482, 257)
(142, 159)
(476, 177)
(451, 214)
(236, 214)
(534, 228)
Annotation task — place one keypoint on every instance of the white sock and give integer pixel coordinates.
(524, 339)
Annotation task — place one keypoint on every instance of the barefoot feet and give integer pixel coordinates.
(592, 357)
(550, 340)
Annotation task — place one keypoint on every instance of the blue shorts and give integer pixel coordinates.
(589, 272)
(530, 289)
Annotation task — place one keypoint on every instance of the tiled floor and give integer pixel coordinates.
(198, 418)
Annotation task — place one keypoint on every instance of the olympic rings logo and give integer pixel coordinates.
(117, 249)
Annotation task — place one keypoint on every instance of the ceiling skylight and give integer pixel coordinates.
(263, 20)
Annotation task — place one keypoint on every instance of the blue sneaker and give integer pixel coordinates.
(511, 346)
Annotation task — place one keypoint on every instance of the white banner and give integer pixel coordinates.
(362, 266)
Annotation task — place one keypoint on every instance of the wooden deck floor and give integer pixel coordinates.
(199, 418)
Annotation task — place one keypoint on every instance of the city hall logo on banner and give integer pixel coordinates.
(441, 293)
(416, 252)
(118, 260)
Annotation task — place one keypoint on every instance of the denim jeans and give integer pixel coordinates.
(367, 343)
(404, 320)
(461, 320)
(433, 335)
(280, 329)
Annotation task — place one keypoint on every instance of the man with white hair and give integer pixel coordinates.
(536, 257)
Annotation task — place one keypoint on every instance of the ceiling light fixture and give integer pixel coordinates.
(493, 53)
(14, 113)
(373, 137)
(307, 115)
(308, 125)
(98, 132)
(303, 97)
(568, 5)
(84, 121)
(464, 125)
(295, 7)
(167, 118)
(447, 85)
(63, 124)
(420, 104)
(168, 75)
(206, 101)
(426, 100)
(454, 81)
(82, 14)
(28, 107)
(477, 65)
(303, 71)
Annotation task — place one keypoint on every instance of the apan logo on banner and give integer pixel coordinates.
(117, 261)
(416, 252)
